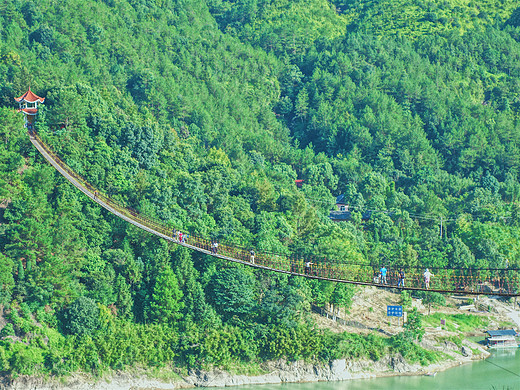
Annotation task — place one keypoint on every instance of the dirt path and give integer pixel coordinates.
(509, 310)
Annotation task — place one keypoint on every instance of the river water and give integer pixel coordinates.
(501, 371)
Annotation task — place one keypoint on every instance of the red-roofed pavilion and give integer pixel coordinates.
(29, 105)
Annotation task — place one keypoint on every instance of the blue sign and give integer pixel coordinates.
(394, 311)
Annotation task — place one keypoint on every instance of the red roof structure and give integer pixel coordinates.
(29, 97)
(29, 106)
(30, 111)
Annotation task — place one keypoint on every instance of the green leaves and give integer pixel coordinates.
(282, 306)
(232, 292)
(6, 279)
(166, 302)
(414, 330)
(81, 317)
(204, 118)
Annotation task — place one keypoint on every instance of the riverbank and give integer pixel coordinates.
(368, 311)
(274, 373)
(340, 370)
(277, 372)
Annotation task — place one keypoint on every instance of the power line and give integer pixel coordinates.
(503, 368)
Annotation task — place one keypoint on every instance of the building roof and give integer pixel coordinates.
(340, 199)
(29, 97)
(505, 332)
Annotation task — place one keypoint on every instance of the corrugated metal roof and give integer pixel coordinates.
(505, 332)
(340, 199)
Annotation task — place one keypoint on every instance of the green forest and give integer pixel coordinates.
(202, 114)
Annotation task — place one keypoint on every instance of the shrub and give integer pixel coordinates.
(81, 317)
(412, 352)
(26, 360)
(7, 330)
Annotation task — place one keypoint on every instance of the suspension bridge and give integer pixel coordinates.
(490, 281)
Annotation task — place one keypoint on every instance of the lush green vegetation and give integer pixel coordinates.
(415, 18)
(203, 114)
(457, 322)
(374, 346)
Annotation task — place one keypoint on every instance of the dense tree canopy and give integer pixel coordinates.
(203, 114)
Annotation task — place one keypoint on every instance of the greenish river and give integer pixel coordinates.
(501, 371)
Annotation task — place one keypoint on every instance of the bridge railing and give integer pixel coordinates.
(501, 281)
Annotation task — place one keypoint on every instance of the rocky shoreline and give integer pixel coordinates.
(275, 373)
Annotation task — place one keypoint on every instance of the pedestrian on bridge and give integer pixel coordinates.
(252, 256)
(308, 266)
(400, 278)
(382, 274)
(427, 276)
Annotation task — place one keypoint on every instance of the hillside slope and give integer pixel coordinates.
(203, 114)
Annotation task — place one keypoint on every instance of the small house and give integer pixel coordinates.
(341, 205)
(502, 338)
(342, 212)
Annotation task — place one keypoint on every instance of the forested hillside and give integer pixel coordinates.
(203, 114)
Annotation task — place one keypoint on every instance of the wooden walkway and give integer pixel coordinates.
(502, 282)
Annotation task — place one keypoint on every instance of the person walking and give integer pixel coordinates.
(252, 256)
(308, 266)
(427, 277)
(382, 273)
(400, 279)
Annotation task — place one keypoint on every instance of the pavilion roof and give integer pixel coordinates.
(29, 97)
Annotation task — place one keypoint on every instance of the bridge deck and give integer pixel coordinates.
(477, 282)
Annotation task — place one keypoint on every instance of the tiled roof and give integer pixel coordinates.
(29, 97)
